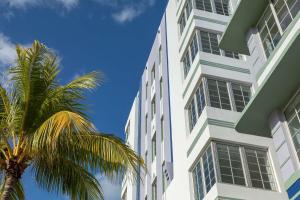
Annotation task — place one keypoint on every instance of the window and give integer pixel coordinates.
(154, 190)
(241, 96)
(209, 42)
(159, 55)
(259, 169)
(185, 15)
(218, 94)
(153, 145)
(186, 63)
(146, 158)
(146, 91)
(222, 7)
(161, 88)
(208, 168)
(203, 5)
(164, 178)
(182, 22)
(146, 124)
(194, 47)
(153, 74)
(162, 128)
(153, 108)
(198, 182)
(230, 164)
(275, 21)
(190, 54)
(292, 115)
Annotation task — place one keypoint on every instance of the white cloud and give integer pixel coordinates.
(7, 51)
(23, 4)
(126, 14)
(111, 191)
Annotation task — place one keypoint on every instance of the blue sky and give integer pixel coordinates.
(114, 36)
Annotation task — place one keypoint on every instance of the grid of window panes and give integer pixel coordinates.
(230, 164)
(219, 94)
(260, 170)
(234, 164)
(292, 115)
(241, 96)
(222, 7)
(271, 31)
(185, 15)
(207, 42)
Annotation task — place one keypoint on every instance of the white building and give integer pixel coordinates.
(194, 97)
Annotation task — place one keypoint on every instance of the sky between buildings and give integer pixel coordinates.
(114, 36)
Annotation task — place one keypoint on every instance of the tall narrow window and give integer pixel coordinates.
(218, 94)
(209, 42)
(154, 190)
(241, 96)
(186, 63)
(164, 178)
(230, 164)
(153, 145)
(200, 99)
(208, 167)
(222, 7)
(146, 91)
(146, 124)
(161, 88)
(292, 115)
(198, 182)
(162, 128)
(153, 108)
(259, 169)
(192, 114)
(182, 22)
(153, 74)
(159, 55)
(203, 5)
(194, 47)
(146, 158)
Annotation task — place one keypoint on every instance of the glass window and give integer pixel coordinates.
(153, 107)
(186, 63)
(164, 178)
(153, 74)
(218, 94)
(241, 95)
(230, 164)
(198, 182)
(231, 54)
(146, 91)
(153, 145)
(259, 169)
(154, 190)
(292, 115)
(208, 167)
(192, 114)
(182, 22)
(161, 88)
(162, 128)
(200, 99)
(194, 47)
(269, 32)
(294, 6)
(222, 7)
(160, 55)
(146, 124)
(203, 5)
(209, 42)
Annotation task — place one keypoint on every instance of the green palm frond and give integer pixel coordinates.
(17, 193)
(64, 176)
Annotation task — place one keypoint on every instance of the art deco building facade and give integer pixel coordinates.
(217, 113)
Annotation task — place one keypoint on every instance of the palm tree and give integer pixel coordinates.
(44, 127)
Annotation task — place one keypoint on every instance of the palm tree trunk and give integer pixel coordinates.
(10, 182)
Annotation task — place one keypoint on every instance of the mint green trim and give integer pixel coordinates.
(197, 138)
(179, 6)
(245, 123)
(286, 33)
(194, 17)
(209, 121)
(226, 198)
(292, 180)
(296, 196)
(213, 64)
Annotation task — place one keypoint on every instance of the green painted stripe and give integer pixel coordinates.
(226, 198)
(213, 64)
(188, 26)
(209, 121)
(286, 33)
(292, 180)
(197, 138)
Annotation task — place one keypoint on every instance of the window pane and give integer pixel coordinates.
(230, 163)
(154, 190)
(283, 14)
(209, 42)
(259, 169)
(192, 114)
(153, 146)
(208, 166)
(203, 5)
(222, 7)
(218, 94)
(186, 63)
(200, 98)
(194, 47)
(241, 95)
(198, 183)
